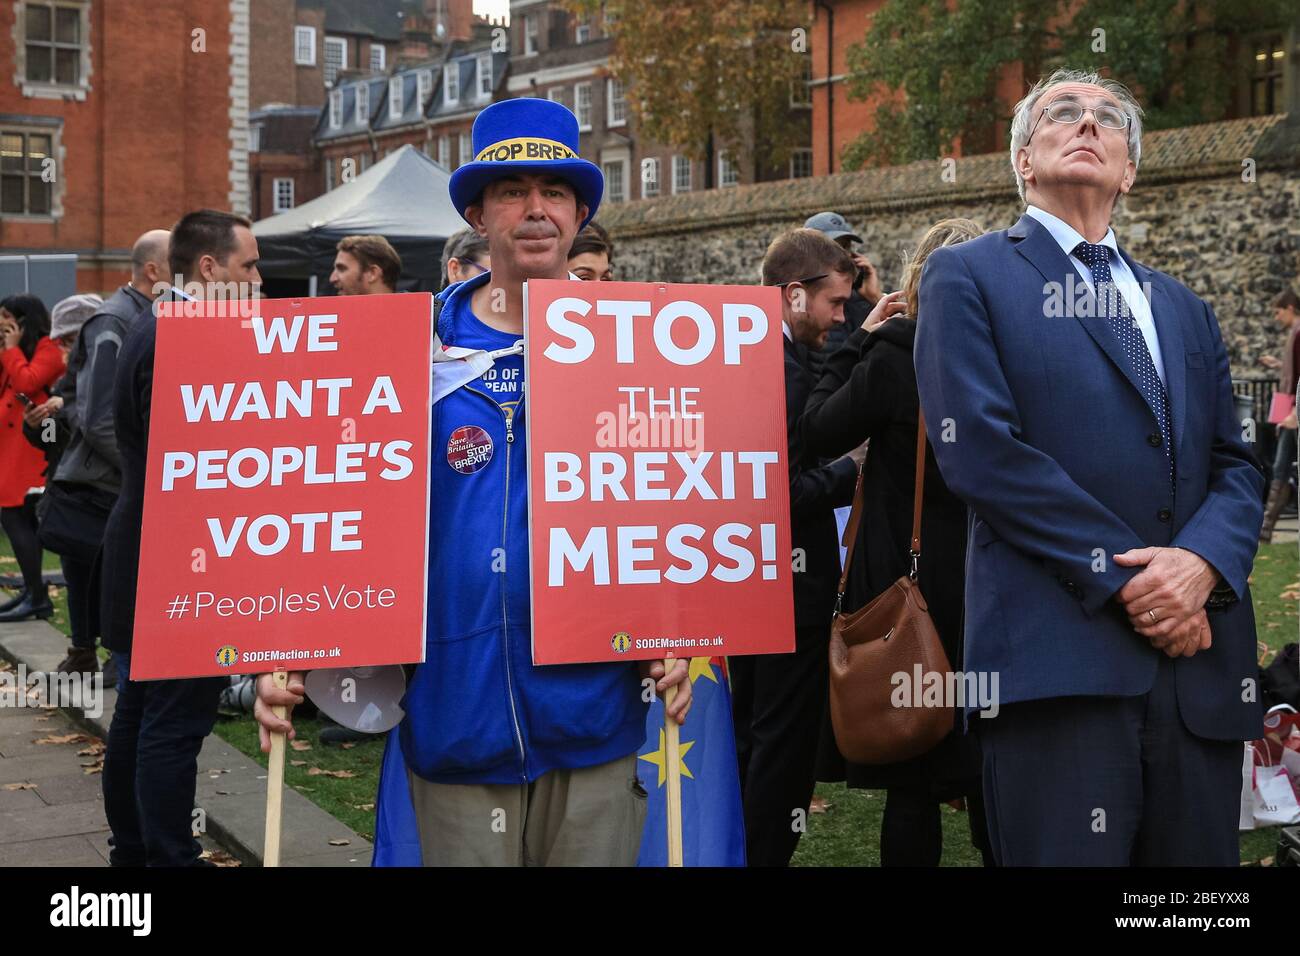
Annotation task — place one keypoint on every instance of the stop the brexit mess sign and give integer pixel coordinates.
(659, 504)
(286, 496)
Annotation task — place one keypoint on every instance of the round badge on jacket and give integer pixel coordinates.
(469, 449)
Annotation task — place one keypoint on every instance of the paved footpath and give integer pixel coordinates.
(52, 808)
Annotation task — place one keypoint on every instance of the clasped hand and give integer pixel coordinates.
(1165, 601)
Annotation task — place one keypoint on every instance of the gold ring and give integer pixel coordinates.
(1153, 616)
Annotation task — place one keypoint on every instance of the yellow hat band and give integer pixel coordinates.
(524, 148)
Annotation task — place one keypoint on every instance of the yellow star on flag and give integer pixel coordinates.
(700, 667)
(658, 758)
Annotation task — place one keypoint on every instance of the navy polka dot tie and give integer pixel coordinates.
(1111, 304)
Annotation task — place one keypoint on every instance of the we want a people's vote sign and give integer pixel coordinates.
(286, 495)
(659, 501)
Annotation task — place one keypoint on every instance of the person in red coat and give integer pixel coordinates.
(30, 362)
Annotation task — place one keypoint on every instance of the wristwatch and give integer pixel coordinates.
(1222, 596)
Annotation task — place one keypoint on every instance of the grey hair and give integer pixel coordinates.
(1022, 118)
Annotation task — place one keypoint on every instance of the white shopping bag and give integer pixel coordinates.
(1246, 818)
(1274, 800)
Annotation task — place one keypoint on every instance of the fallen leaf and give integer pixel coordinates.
(18, 786)
(363, 806)
(300, 745)
(297, 763)
(340, 842)
(338, 774)
(94, 750)
(1267, 861)
(65, 739)
(219, 858)
(346, 746)
(89, 770)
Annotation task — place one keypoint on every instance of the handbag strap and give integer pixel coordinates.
(918, 490)
(855, 516)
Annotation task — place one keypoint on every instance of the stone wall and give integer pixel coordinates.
(1195, 213)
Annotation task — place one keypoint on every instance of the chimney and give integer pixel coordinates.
(455, 16)
(417, 40)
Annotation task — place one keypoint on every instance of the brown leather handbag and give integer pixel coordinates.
(891, 635)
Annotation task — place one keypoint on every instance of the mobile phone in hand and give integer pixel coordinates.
(27, 402)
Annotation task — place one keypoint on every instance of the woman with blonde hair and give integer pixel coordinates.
(868, 391)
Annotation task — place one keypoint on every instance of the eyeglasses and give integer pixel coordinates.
(807, 281)
(467, 263)
(1068, 111)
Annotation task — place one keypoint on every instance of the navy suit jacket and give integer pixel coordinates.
(1038, 424)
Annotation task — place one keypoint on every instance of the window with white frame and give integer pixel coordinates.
(484, 75)
(54, 42)
(336, 109)
(363, 103)
(681, 174)
(728, 171)
(336, 59)
(424, 84)
(530, 33)
(254, 139)
(558, 94)
(395, 98)
(304, 46)
(282, 190)
(582, 105)
(649, 177)
(377, 58)
(582, 30)
(25, 190)
(451, 83)
(800, 88)
(444, 151)
(615, 102)
(615, 171)
(329, 173)
(801, 163)
(466, 148)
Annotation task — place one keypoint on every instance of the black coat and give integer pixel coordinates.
(868, 391)
(120, 557)
(816, 490)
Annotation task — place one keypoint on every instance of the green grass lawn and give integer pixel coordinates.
(848, 834)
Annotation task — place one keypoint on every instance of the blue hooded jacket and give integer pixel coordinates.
(477, 710)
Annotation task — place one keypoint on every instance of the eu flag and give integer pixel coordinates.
(713, 826)
(713, 830)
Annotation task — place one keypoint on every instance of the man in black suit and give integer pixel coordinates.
(158, 726)
(779, 698)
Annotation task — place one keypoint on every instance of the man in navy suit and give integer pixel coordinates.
(1081, 404)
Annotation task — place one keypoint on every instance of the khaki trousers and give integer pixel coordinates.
(592, 816)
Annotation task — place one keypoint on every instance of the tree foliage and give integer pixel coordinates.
(704, 75)
(932, 66)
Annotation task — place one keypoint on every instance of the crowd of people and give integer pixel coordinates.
(1090, 513)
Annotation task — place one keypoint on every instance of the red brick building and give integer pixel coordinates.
(1262, 71)
(114, 124)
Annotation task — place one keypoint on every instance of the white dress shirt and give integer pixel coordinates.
(1067, 237)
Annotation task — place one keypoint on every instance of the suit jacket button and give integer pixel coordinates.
(1154, 440)
(1164, 514)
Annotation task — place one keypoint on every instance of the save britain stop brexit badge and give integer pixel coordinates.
(469, 449)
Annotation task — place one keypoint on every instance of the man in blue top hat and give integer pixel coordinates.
(507, 763)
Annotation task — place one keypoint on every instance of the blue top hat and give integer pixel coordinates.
(526, 135)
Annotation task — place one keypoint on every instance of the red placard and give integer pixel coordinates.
(658, 491)
(286, 495)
